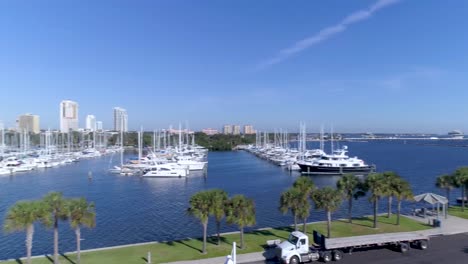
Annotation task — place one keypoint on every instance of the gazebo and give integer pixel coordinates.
(434, 200)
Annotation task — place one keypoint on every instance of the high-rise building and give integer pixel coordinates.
(120, 119)
(236, 130)
(227, 129)
(99, 125)
(68, 116)
(91, 123)
(29, 122)
(249, 130)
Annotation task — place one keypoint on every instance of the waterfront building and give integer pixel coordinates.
(210, 131)
(91, 123)
(99, 125)
(236, 130)
(68, 116)
(29, 122)
(249, 130)
(120, 119)
(227, 129)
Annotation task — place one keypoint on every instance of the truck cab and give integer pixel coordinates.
(296, 249)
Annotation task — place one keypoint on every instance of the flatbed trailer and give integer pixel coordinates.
(401, 239)
(297, 248)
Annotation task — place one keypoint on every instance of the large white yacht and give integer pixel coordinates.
(456, 134)
(337, 163)
(164, 170)
(191, 163)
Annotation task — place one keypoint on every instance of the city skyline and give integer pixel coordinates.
(357, 66)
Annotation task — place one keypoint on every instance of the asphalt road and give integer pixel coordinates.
(445, 249)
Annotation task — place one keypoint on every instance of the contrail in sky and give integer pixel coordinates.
(327, 32)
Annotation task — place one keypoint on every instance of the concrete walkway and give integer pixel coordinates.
(450, 226)
(243, 258)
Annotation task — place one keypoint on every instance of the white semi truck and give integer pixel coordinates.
(297, 248)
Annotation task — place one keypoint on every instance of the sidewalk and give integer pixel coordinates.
(243, 258)
(450, 226)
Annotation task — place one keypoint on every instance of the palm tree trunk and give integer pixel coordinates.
(56, 238)
(398, 213)
(295, 222)
(304, 226)
(350, 208)
(463, 198)
(218, 227)
(242, 236)
(328, 224)
(375, 212)
(29, 238)
(389, 209)
(78, 245)
(205, 227)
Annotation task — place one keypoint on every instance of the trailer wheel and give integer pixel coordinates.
(423, 244)
(326, 256)
(294, 260)
(404, 247)
(337, 255)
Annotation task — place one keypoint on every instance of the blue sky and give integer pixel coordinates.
(380, 66)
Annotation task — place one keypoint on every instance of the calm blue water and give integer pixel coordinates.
(132, 210)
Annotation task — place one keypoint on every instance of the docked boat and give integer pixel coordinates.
(192, 164)
(337, 163)
(164, 171)
(456, 134)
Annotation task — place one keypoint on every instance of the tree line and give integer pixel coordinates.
(238, 210)
(457, 179)
(298, 198)
(49, 210)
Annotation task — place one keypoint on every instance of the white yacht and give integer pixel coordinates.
(191, 163)
(166, 171)
(456, 134)
(337, 163)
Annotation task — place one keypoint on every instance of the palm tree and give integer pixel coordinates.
(22, 216)
(389, 178)
(375, 184)
(218, 208)
(292, 199)
(328, 199)
(81, 213)
(200, 207)
(351, 188)
(445, 182)
(56, 206)
(241, 211)
(402, 191)
(460, 180)
(305, 186)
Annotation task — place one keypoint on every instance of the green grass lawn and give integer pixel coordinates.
(255, 241)
(456, 211)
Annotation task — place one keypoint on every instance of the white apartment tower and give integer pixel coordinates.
(236, 130)
(120, 119)
(99, 125)
(29, 122)
(68, 116)
(91, 123)
(227, 129)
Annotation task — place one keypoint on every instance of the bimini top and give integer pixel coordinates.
(431, 198)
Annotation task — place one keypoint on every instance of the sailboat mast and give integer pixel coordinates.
(121, 143)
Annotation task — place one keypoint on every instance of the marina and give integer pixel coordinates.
(133, 209)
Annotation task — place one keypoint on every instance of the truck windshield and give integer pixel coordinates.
(293, 239)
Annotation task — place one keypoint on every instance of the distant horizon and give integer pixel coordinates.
(362, 65)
